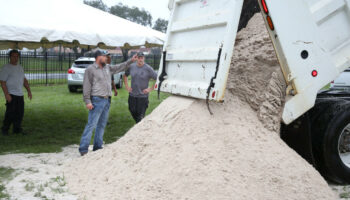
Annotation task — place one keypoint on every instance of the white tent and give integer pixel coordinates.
(48, 23)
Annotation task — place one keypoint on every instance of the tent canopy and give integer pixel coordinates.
(48, 23)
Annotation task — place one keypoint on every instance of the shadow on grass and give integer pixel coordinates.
(56, 118)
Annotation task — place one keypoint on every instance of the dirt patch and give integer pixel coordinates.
(38, 176)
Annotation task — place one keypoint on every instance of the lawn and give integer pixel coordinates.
(56, 118)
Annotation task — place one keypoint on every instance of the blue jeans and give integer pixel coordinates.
(98, 118)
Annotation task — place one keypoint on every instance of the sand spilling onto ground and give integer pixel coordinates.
(255, 76)
(180, 151)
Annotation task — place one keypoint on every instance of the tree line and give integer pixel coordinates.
(134, 14)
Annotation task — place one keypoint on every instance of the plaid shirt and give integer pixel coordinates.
(97, 81)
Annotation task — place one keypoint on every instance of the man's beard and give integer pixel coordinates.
(103, 64)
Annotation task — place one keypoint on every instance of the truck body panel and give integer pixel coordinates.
(312, 42)
(196, 32)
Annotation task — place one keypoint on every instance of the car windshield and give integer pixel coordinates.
(82, 64)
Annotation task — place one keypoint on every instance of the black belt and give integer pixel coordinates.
(105, 97)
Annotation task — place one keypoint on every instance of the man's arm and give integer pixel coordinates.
(148, 90)
(153, 75)
(114, 88)
(122, 66)
(87, 85)
(3, 78)
(6, 93)
(125, 78)
(26, 85)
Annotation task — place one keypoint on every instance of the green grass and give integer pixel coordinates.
(56, 118)
(5, 175)
(344, 195)
(3, 194)
(327, 86)
(38, 82)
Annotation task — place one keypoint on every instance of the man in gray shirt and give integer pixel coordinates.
(12, 80)
(97, 97)
(140, 73)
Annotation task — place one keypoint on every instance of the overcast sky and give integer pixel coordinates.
(157, 8)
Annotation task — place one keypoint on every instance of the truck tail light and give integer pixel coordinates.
(314, 73)
(269, 21)
(70, 71)
(263, 3)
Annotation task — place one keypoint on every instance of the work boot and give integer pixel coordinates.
(83, 153)
(18, 131)
(95, 149)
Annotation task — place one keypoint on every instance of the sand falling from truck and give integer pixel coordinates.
(180, 151)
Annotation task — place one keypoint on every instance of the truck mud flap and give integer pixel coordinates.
(297, 136)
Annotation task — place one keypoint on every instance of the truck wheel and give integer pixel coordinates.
(333, 150)
(72, 88)
(120, 84)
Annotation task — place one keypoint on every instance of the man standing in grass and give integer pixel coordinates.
(12, 80)
(140, 73)
(97, 97)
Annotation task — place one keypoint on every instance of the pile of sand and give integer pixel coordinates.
(180, 151)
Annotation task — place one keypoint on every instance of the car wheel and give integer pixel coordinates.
(72, 88)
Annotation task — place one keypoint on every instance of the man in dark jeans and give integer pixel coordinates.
(97, 92)
(140, 73)
(12, 80)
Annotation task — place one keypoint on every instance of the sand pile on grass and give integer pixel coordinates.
(180, 151)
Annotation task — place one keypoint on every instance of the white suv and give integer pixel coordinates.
(343, 81)
(76, 74)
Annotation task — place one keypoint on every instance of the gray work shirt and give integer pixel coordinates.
(13, 75)
(140, 77)
(97, 81)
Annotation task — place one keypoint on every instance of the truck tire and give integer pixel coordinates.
(72, 89)
(120, 84)
(327, 131)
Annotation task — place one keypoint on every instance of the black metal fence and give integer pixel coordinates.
(51, 68)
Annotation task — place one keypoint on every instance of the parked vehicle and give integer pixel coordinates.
(342, 82)
(76, 74)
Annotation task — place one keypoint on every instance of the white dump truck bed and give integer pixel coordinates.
(311, 39)
(198, 29)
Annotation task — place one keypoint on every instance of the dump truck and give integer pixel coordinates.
(312, 43)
